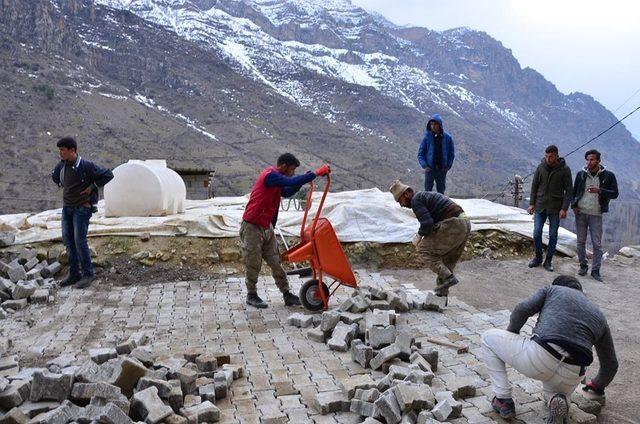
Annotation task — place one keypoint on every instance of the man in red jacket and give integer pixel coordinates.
(260, 216)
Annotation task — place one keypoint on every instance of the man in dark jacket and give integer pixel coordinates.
(79, 180)
(568, 326)
(436, 154)
(443, 233)
(593, 188)
(551, 192)
(260, 215)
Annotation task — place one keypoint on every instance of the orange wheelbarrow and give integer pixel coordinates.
(320, 246)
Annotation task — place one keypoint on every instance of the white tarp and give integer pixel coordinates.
(361, 215)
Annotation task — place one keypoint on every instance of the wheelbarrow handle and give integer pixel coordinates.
(308, 207)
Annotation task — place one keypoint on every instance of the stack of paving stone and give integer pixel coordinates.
(124, 384)
(26, 278)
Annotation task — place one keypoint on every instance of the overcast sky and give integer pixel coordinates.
(579, 45)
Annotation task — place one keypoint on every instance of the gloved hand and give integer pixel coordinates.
(323, 170)
(416, 239)
(592, 389)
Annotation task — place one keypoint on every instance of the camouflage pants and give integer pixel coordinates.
(442, 249)
(257, 244)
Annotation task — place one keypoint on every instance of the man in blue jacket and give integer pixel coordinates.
(436, 154)
(79, 180)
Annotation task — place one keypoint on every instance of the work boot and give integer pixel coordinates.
(584, 268)
(505, 407)
(535, 262)
(548, 265)
(70, 280)
(291, 299)
(443, 289)
(558, 410)
(595, 274)
(254, 300)
(85, 282)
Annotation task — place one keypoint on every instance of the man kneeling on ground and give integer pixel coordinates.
(260, 216)
(569, 325)
(443, 233)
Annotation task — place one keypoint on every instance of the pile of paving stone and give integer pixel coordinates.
(118, 385)
(27, 278)
(366, 324)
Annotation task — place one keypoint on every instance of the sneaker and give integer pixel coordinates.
(583, 270)
(254, 300)
(548, 266)
(85, 282)
(595, 274)
(505, 407)
(558, 410)
(70, 280)
(535, 262)
(291, 299)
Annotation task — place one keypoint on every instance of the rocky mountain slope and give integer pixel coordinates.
(228, 85)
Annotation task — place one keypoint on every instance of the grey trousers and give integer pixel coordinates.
(257, 244)
(593, 224)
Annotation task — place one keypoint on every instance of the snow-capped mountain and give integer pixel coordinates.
(230, 84)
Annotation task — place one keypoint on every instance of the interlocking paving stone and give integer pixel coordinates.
(284, 369)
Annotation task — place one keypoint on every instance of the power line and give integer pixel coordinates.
(626, 101)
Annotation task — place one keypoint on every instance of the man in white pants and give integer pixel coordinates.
(569, 325)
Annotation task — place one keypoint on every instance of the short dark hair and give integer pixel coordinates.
(67, 143)
(592, 152)
(567, 281)
(551, 149)
(288, 159)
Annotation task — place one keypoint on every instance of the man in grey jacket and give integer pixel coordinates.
(443, 233)
(559, 351)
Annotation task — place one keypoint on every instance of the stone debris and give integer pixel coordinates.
(102, 355)
(442, 410)
(22, 281)
(300, 320)
(342, 336)
(361, 353)
(328, 402)
(48, 386)
(201, 413)
(147, 406)
(380, 336)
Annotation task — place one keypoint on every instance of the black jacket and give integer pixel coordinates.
(429, 207)
(90, 173)
(608, 188)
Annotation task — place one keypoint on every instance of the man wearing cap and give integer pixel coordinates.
(436, 154)
(443, 233)
(261, 213)
(568, 326)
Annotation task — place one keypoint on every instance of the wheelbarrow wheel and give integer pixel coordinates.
(310, 295)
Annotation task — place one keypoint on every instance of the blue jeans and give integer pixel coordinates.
(439, 176)
(539, 218)
(75, 223)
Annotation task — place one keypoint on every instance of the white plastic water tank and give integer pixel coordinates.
(144, 188)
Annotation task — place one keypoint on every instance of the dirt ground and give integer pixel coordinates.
(497, 285)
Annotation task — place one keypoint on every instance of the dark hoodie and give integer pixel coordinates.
(551, 188)
(608, 188)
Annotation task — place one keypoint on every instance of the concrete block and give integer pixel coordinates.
(164, 388)
(26, 255)
(144, 355)
(31, 409)
(431, 356)
(16, 305)
(187, 379)
(419, 376)
(419, 361)
(386, 354)
(346, 305)
(14, 394)
(434, 302)
(134, 341)
(83, 392)
(49, 386)
(329, 321)
(426, 417)
(39, 296)
(6, 285)
(398, 301)
(405, 342)
(361, 353)
(51, 270)
(414, 397)
(7, 239)
(147, 406)
(207, 392)
(379, 336)
(359, 304)
(342, 336)
(206, 362)
(16, 273)
(102, 355)
(15, 416)
(317, 335)
(329, 402)
(382, 305)
(367, 395)
(587, 405)
(127, 375)
(456, 406)
(442, 410)
(109, 413)
(65, 413)
(364, 409)
(175, 398)
(204, 412)
(175, 419)
(30, 264)
(23, 289)
(237, 369)
(192, 400)
(300, 320)
(350, 318)
(359, 381)
(120, 401)
(389, 408)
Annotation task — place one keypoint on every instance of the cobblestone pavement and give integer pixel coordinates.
(285, 370)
